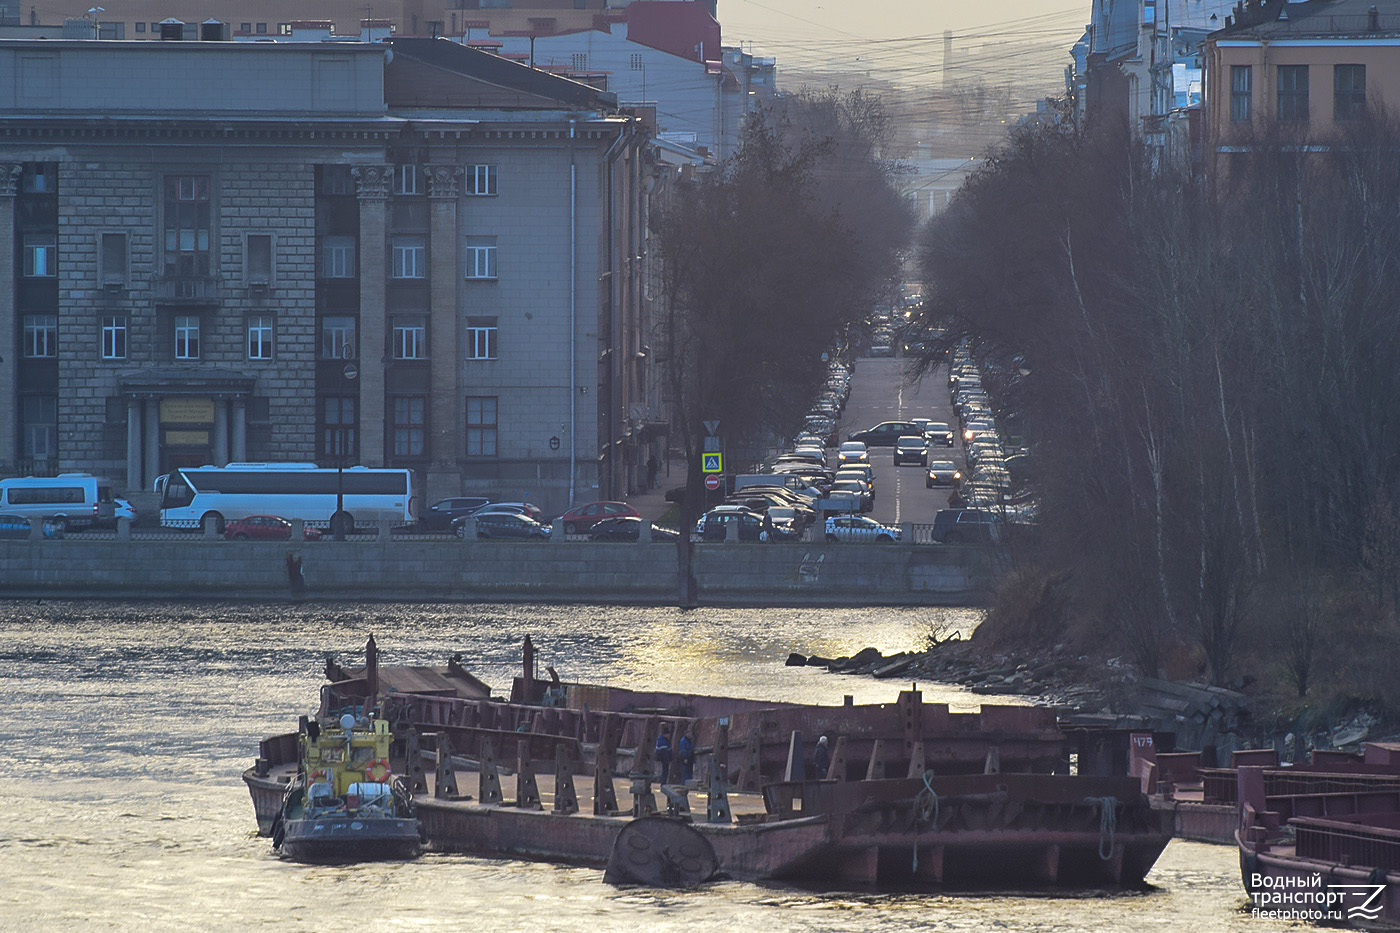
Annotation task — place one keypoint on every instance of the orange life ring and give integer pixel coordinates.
(377, 764)
(317, 777)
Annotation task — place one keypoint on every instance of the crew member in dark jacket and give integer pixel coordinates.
(821, 759)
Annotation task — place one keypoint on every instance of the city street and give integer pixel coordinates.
(879, 393)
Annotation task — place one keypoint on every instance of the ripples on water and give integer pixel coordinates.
(126, 726)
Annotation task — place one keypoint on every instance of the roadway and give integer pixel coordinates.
(879, 392)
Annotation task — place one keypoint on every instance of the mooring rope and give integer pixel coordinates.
(1108, 823)
(925, 810)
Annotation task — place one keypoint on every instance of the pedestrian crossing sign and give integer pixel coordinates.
(711, 463)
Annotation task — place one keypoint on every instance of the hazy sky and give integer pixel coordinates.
(996, 41)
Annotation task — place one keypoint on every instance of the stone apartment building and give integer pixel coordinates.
(410, 255)
(1307, 69)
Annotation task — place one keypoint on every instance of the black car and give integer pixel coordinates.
(503, 525)
(885, 433)
(627, 528)
(714, 524)
(910, 449)
(966, 526)
(442, 513)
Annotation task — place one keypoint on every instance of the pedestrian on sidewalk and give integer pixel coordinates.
(653, 467)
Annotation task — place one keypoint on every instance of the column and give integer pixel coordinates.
(240, 429)
(447, 406)
(372, 187)
(151, 428)
(220, 431)
(9, 328)
(133, 445)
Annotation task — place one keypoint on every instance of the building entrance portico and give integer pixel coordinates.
(180, 418)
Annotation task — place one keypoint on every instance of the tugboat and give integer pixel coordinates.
(344, 804)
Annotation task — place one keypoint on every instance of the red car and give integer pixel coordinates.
(581, 518)
(264, 528)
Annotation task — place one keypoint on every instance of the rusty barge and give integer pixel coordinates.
(913, 794)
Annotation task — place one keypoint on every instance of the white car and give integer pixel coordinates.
(123, 509)
(858, 528)
(853, 452)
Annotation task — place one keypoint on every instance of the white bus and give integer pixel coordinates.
(190, 495)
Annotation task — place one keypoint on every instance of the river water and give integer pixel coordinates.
(124, 727)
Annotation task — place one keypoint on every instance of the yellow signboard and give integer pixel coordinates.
(187, 410)
(193, 438)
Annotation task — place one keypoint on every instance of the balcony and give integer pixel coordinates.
(187, 290)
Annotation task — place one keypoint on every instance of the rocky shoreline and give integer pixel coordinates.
(1109, 693)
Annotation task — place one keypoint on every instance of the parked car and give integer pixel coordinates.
(852, 452)
(441, 513)
(942, 473)
(121, 508)
(627, 528)
(966, 526)
(885, 433)
(714, 524)
(519, 508)
(581, 518)
(265, 528)
(858, 528)
(910, 449)
(17, 526)
(502, 525)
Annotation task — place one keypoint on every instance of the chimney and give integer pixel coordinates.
(1373, 19)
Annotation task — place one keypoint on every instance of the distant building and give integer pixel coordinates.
(207, 232)
(1140, 62)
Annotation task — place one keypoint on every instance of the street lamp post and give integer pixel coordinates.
(348, 374)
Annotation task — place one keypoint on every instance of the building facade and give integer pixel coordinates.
(336, 253)
(1306, 70)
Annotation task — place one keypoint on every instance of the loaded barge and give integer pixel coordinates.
(911, 794)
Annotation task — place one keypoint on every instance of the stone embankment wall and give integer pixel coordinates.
(733, 573)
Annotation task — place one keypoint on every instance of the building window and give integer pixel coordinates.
(481, 426)
(187, 337)
(245, 28)
(284, 29)
(338, 257)
(636, 61)
(579, 61)
(409, 412)
(336, 180)
(410, 257)
(1348, 92)
(408, 179)
(141, 26)
(1241, 93)
(259, 259)
(481, 338)
(39, 178)
(113, 257)
(1293, 93)
(41, 336)
(40, 255)
(481, 257)
(481, 179)
(39, 413)
(338, 436)
(260, 337)
(262, 28)
(410, 340)
(338, 338)
(187, 219)
(114, 337)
